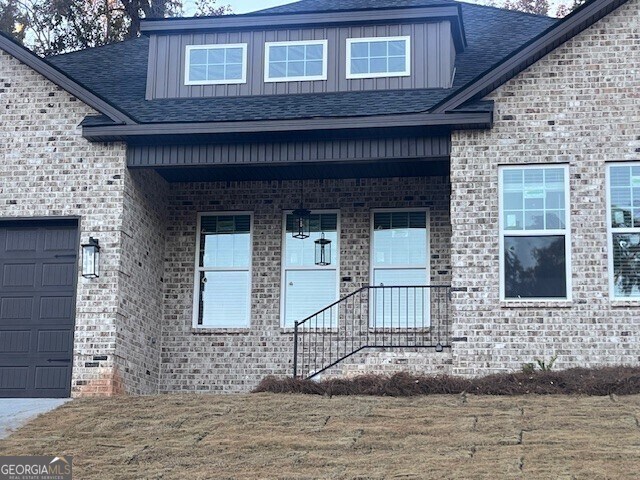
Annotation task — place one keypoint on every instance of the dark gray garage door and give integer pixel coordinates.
(37, 304)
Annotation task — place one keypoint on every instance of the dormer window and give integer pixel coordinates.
(378, 57)
(216, 64)
(295, 61)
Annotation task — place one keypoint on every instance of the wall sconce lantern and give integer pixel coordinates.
(91, 259)
(323, 251)
(301, 227)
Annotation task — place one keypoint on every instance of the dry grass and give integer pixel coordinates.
(298, 437)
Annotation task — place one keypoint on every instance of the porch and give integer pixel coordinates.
(235, 280)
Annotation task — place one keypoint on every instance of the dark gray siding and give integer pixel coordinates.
(351, 150)
(431, 64)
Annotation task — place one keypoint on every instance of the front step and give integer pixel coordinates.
(416, 361)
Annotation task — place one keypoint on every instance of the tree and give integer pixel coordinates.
(58, 26)
(12, 21)
(566, 8)
(539, 7)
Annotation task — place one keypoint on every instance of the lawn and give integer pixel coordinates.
(298, 437)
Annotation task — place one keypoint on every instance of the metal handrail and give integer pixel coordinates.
(418, 317)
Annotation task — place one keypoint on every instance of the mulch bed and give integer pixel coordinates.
(619, 380)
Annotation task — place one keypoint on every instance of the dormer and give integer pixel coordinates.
(321, 52)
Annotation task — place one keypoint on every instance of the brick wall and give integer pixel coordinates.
(219, 361)
(49, 170)
(579, 105)
(139, 319)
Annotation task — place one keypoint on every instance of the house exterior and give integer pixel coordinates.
(474, 170)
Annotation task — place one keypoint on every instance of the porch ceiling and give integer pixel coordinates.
(391, 168)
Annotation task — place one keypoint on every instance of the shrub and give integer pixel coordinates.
(582, 381)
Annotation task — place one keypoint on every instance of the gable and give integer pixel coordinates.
(61, 79)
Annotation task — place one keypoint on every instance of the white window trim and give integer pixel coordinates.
(426, 267)
(284, 268)
(407, 70)
(536, 233)
(611, 231)
(309, 78)
(187, 64)
(198, 269)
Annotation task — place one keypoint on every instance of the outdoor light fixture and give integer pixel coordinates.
(439, 347)
(301, 216)
(301, 227)
(91, 259)
(323, 251)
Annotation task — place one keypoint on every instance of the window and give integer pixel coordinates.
(216, 64)
(223, 271)
(378, 57)
(308, 288)
(534, 224)
(624, 230)
(400, 257)
(294, 61)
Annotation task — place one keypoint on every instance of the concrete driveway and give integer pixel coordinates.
(15, 412)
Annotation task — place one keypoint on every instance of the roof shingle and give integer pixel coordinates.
(118, 72)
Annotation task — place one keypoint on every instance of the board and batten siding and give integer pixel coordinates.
(432, 60)
(289, 152)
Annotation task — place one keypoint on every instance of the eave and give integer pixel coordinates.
(223, 131)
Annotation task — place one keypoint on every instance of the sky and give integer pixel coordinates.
(244, 6)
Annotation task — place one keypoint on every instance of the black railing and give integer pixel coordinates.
(372, 317)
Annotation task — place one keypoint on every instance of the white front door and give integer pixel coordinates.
(306, 287)
(400, 261)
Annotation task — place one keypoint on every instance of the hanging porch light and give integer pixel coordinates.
(302, 223)
(323, 251)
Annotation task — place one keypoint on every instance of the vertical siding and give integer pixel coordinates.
(431, 53)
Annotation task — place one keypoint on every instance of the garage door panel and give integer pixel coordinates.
(53, 377)
(14, 378)
(15, 341)
(18, 275)
(58, 309)
(58, 274)
(38, 272)
(54, 341)
(20, 240)
(15, 308)
(60, 239)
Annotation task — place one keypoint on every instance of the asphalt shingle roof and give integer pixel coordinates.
(332, 5)
(118, 72)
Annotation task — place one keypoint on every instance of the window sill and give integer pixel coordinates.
(624, 303)
(370, 330)
(291, 330)
(536, 304)
(219, 331)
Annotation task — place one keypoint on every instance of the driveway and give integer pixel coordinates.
(15, 412)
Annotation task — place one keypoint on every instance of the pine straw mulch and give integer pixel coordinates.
(618, 380)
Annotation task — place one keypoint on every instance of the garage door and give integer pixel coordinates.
(37, 302)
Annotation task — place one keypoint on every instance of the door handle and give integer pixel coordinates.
(59, 360)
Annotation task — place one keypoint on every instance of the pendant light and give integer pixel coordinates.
(301, 215)
(323, 251)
